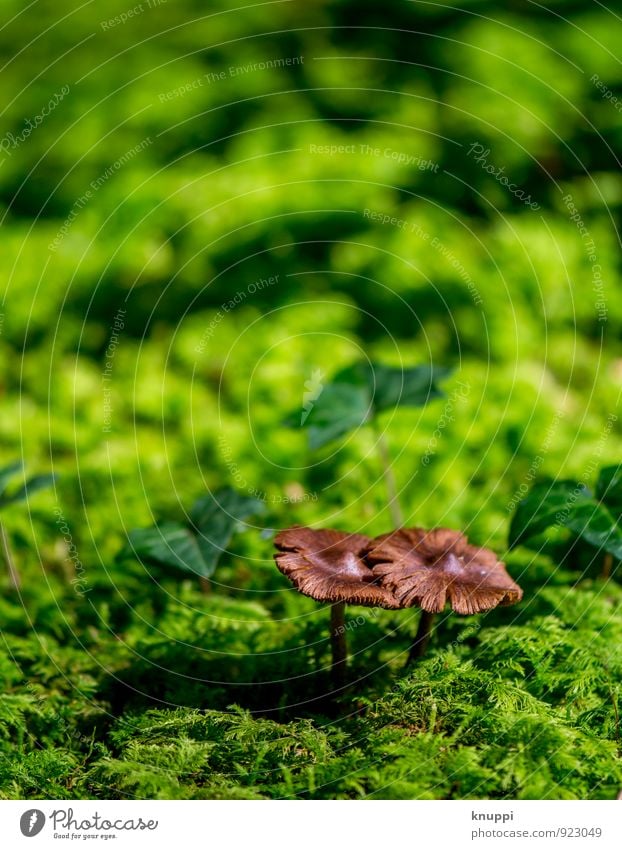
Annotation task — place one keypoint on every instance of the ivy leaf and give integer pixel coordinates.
(225, 507)
(216, 517)
(609, 489)
(567, 504)
(341, 407)
(169, 544)
(595, 524)
(195, 548)
(361, 391)
(388, 387)
(27, 489)
(546, 505)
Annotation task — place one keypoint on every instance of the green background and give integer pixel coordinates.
(200, 186)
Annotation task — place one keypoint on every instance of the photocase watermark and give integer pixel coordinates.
(597, 272)
(79, 582)
(458, 395)
(93, 827)
(117, 326)
(63, 819)
(606, 92)
(240, 70)
(31, 822)
(230, 305)
(124, 17)
(10, 142)
(95, 186)
(352, 624)
(434, 242)
(232, 71)
(481, 155)
(399, 156)
(537, 461)
(313, 389)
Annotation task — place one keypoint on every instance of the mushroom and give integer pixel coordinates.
(328, 566)
(429, 568)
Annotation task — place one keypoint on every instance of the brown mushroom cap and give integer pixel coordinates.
(429, 568)
(327, 565)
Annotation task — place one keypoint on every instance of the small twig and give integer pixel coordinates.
(14, 575)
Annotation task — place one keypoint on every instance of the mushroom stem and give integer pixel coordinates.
(607, 567)
(389, 479)
(338, 642)
(14, 575)
(422, 638)
(205, 585)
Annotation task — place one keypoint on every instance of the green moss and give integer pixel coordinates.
(510, 711)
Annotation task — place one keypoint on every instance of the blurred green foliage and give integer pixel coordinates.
(186, 237)
(591, 517)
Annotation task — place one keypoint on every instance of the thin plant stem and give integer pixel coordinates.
(424, 632)
(14, 575)
(338, 643)
(389, 478)
(607, 567)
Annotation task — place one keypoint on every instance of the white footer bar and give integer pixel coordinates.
(311, 825)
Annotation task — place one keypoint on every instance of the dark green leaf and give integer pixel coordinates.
(169, 544)
(595, 524)
(194, 549)
(390, 387)
(546, 505)
(216, 517)
(609, 489)
(225, 504)
(359, 392)
(339, 409)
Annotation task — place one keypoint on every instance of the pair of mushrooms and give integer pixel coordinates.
(408, 567)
